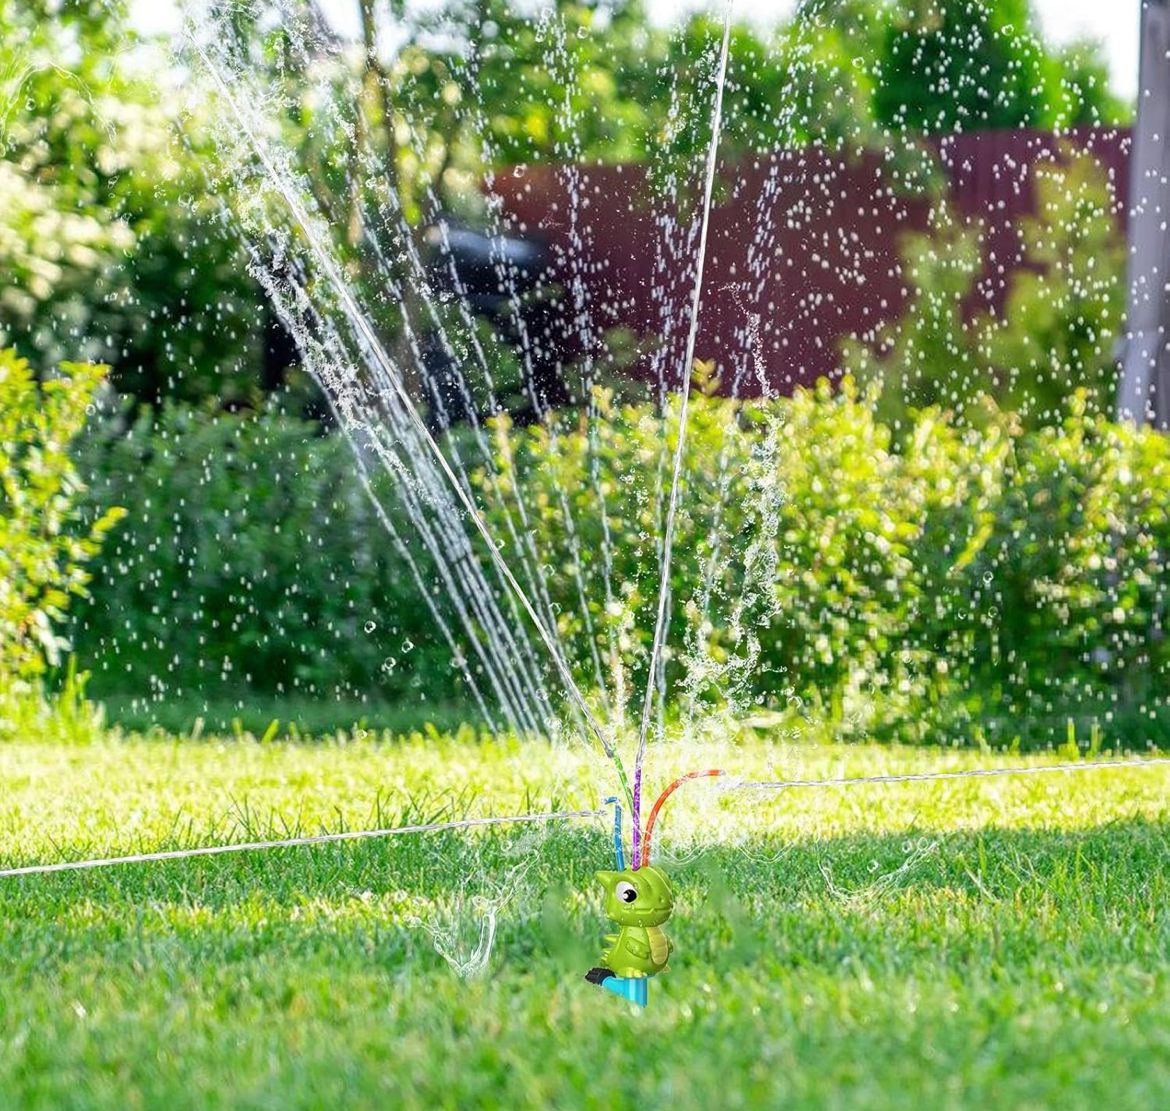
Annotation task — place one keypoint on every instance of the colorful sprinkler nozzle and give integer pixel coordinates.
(646, 838)
(619, 854)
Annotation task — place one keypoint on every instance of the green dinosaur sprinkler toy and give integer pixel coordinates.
(639, 902)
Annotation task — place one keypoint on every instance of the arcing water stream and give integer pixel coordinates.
(308, 276)
(528, 456)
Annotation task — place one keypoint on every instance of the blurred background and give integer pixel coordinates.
(956, 180)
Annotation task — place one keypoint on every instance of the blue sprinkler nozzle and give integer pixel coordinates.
(618, 851)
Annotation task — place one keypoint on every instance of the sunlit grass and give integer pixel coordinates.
(972, 944)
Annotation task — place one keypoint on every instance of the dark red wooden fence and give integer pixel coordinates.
(804, 242)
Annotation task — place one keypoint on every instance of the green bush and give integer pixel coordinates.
(971, 581)
(45, 544)
(1055, 334)
(1066, 306)
(958, 581)
(251, 559)
(1079, 555)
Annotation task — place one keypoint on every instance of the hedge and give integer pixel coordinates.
(979, 581)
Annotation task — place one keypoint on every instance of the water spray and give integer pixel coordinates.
(638, 893)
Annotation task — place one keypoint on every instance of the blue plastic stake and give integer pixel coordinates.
(633, 988)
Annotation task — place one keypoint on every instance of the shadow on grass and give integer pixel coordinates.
(993, 896)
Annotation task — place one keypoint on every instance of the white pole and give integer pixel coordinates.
(1144, 393)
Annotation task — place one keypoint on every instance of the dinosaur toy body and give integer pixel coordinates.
(639, 902)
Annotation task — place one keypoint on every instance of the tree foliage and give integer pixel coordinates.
(1065, 307)
(960, 65)
(1062, 311)
(931, 354)
(110, 239)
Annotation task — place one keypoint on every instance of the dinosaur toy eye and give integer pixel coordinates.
(626, 892)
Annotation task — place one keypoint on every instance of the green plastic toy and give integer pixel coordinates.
(639, 902)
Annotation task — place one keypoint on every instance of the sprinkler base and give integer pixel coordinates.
(633, 988)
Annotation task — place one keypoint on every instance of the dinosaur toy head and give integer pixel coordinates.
(637, 898)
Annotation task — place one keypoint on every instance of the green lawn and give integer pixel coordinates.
(253, 712)
(981, 944)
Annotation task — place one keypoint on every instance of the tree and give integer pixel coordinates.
(959, 65)
(1055, 335)
(1065, 306)
(110, 238)
(932, 354)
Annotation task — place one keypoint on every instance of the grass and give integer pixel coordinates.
(979, 944)
(252, 712)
